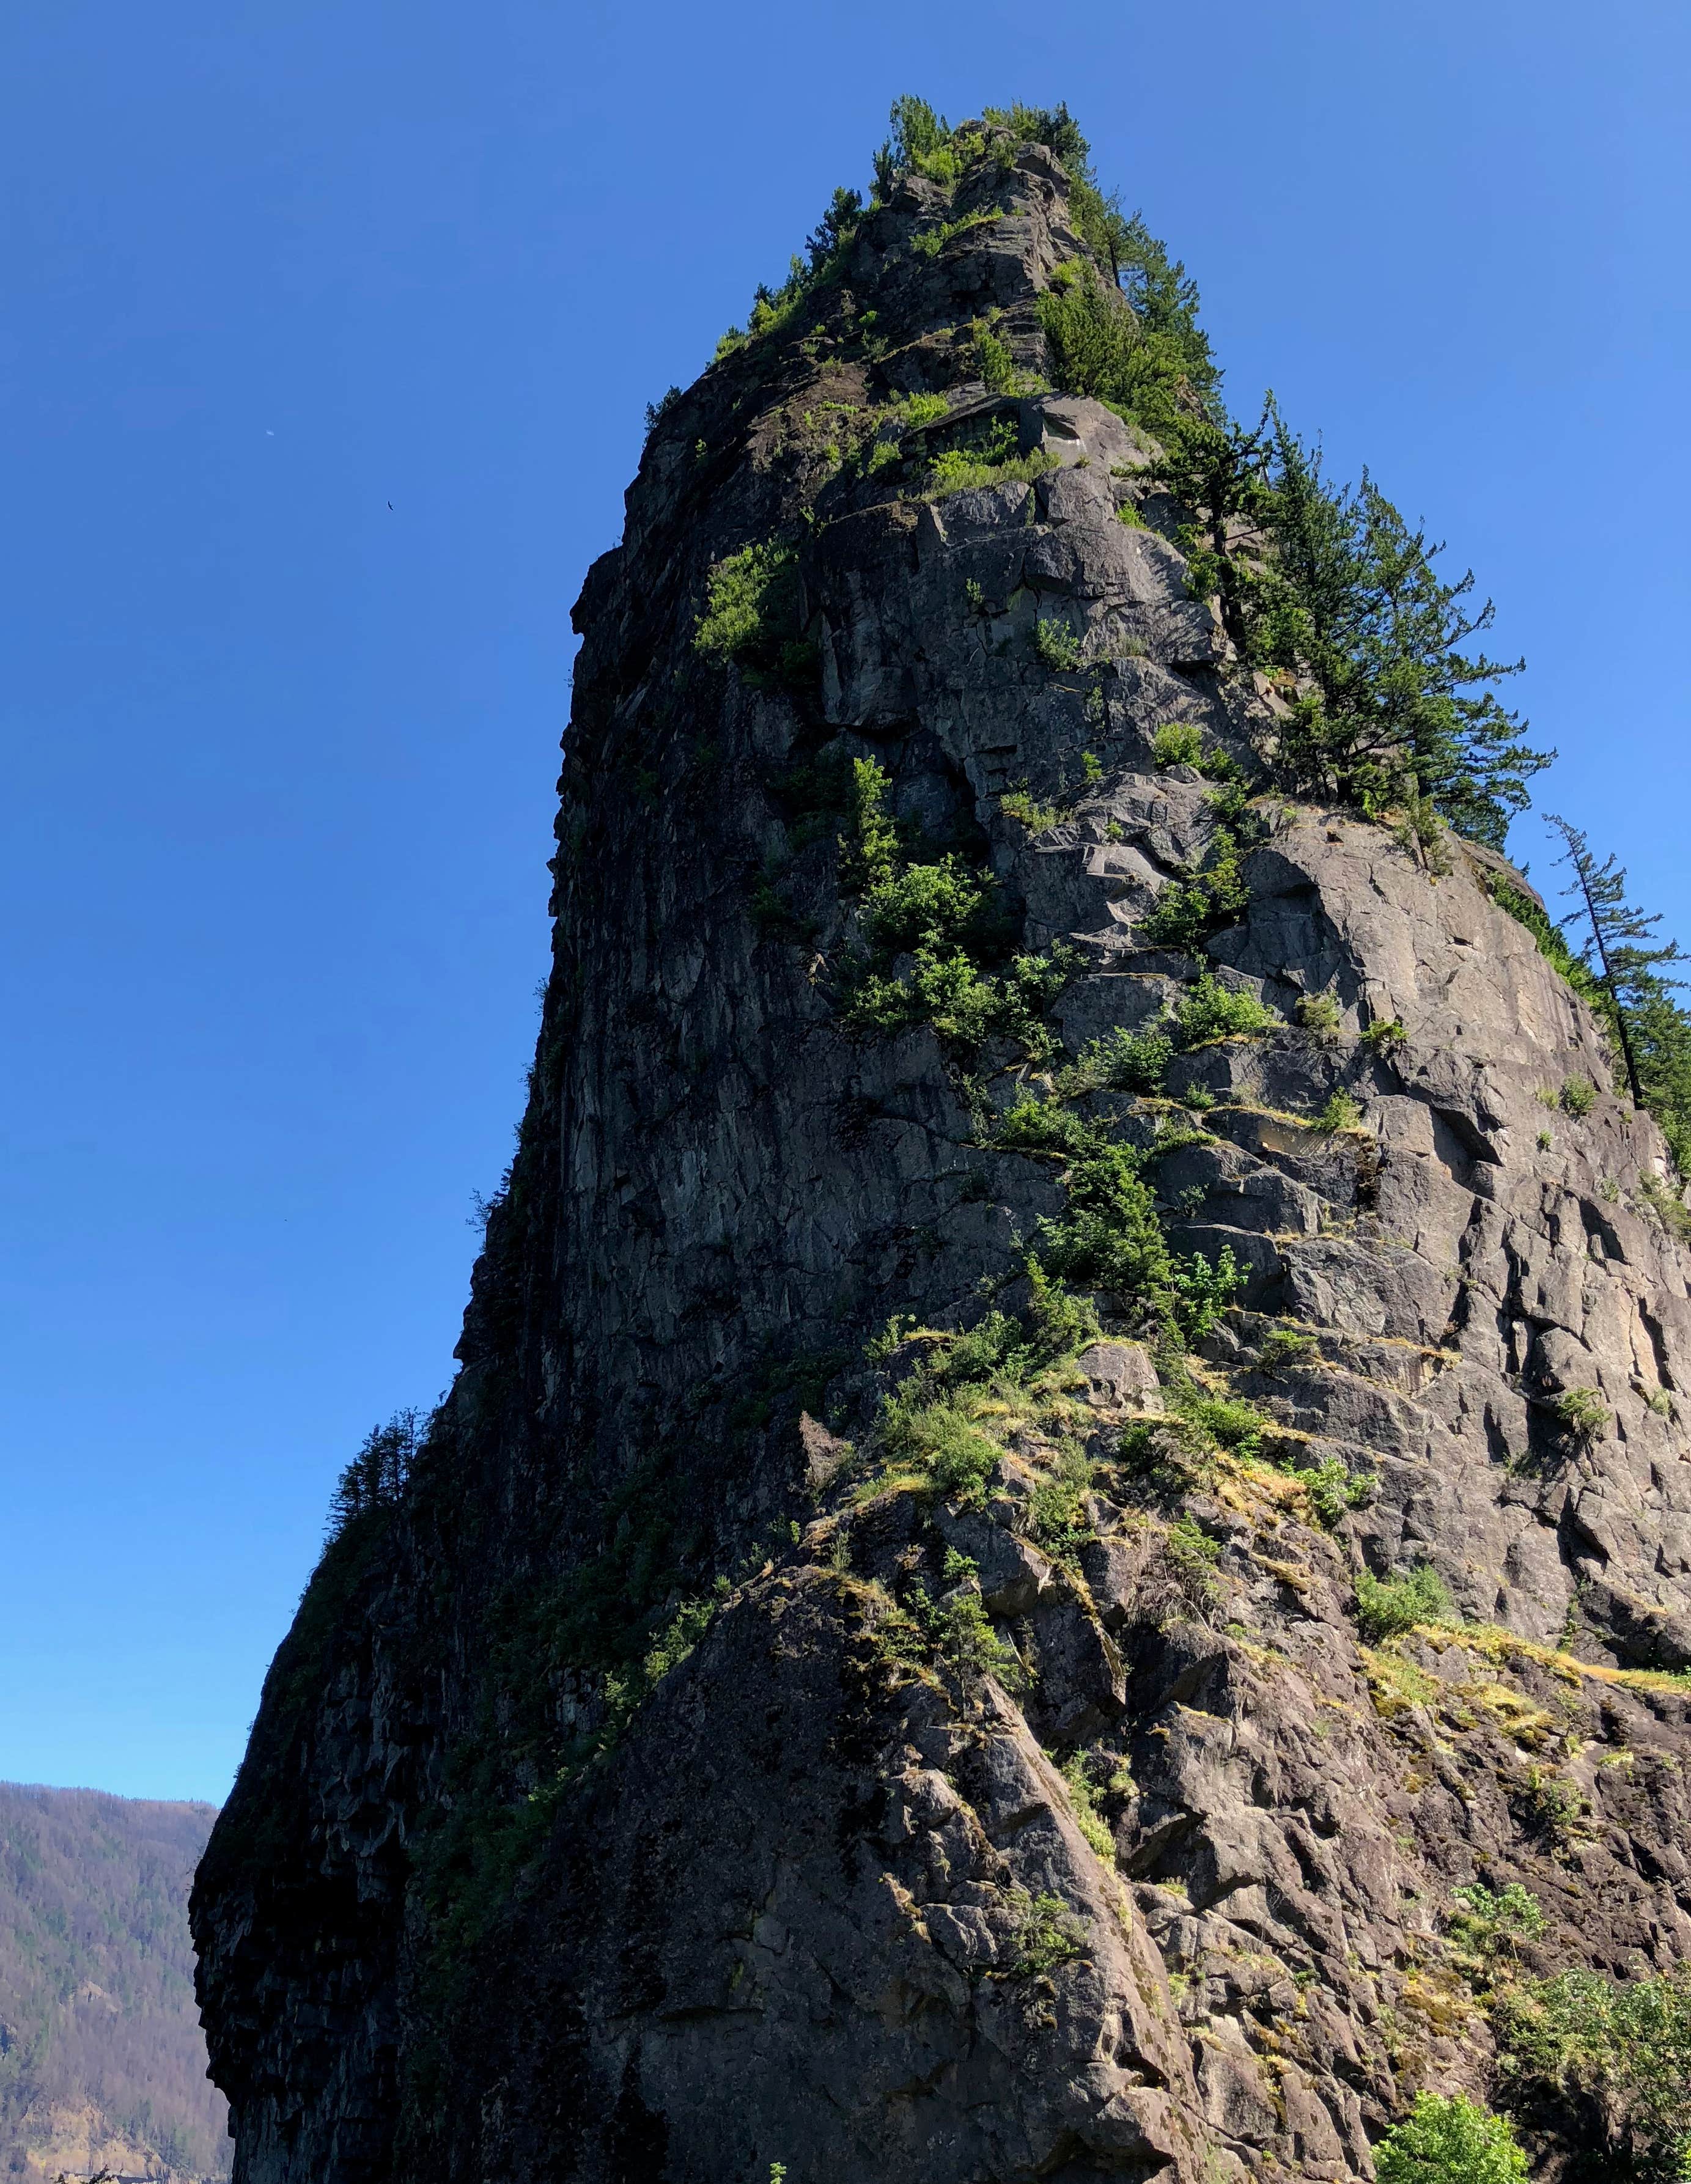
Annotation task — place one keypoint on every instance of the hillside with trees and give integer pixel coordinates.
(102, 2059)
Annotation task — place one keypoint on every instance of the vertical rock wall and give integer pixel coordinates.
(1162, 1892)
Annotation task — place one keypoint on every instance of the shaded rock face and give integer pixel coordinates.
(1170, 1900)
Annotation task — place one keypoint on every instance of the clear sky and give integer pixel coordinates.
(279, 757)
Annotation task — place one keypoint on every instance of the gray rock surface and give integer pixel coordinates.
(814, 1903)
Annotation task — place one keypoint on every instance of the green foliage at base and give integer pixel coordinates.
(1627, 2042)
(1388, 1608)
(1450, 2141)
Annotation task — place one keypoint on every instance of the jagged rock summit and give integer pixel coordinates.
(1070, 1414)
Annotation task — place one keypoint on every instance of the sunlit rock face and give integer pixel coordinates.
(675, 1773)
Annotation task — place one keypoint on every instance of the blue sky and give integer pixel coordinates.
(279, 762)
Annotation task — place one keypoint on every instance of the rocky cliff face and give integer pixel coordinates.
(729, 1748)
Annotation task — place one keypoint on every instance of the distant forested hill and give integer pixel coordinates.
(102, 2062)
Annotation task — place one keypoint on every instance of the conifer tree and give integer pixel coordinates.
(1616, 951)
(1394, 707)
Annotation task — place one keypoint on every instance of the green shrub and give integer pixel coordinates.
(956, 471)
(1047, 1934)
(1177, 743)
(1385, 1035)
(1627, 2042)
(1340, 1112)
(1129, 1061)
(1186, 912)
(1284, 1346)
(1056, 645)
(1332, 1489)
(1209, 1010)
(1230, 1423)
(1449, 2141)
(996, 366)
(1318, 1012)
(1107, 1236)
(1201, 1289)
(1087, 1817)
(658, 410)
(940, 1437)
(1191, 1556)
(1036, 816)
(922, 409)
(1582, 1413)
(1040, 1126)
(944, 918)
(1492, 1923)
(1578, 1096)
(1387, 1608)
(750, 616)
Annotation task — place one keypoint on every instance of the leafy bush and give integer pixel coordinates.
(997, 366)
(658, 410)
(1627, 2042)
(1339, 1112)
(1084, 1798)
(1177, 743)
(1034, 814)
(1040, 1126)
(1209, 1010)
(1332, 1489)
(958, 471)
(1130, 1061)
(750, 616)
(1449, 2140)
(1201, 1289)
(1492, 1923)
(1387, 1608)
(1284, 1346)
(1581, 1412)
(922, 410)
(1230, 1423)
(941, 1438)
(1578, 1096)
(945, 919)
(1318, 1012)
(1056, 643)
(1107, 1236)
(1141, 353)
(1047, 1934)
(1186, 912)
(1385, 1035)
(1190, 1557)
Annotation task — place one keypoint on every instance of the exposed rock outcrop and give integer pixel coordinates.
(1060, 1824)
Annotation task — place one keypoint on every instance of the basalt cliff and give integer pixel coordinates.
(1037, 1478)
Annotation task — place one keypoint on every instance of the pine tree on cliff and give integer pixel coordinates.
(1653, 1031)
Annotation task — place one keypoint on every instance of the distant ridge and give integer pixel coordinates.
(102, 2059)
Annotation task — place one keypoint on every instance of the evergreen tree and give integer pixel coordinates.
(377, 1476)
(1616, 951)
(1216, 469)
(1394, 709)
